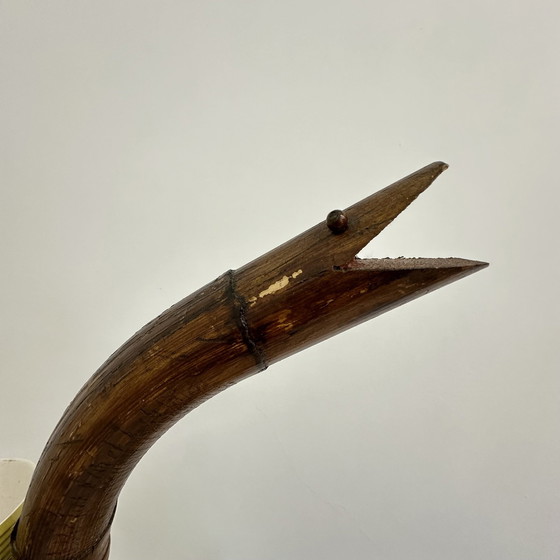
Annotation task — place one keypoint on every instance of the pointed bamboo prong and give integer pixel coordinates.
(415, 263)
(318, 249)
(344, 297)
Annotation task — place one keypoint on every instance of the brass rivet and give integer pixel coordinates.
(337, 221)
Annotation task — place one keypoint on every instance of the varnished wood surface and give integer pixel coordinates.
(302, 292)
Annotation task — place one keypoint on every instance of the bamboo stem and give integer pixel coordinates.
(306, 290)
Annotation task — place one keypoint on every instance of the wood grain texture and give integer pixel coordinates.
(302, 292)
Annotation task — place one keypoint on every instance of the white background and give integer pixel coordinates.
(147, 147)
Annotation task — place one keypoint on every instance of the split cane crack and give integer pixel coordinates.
(240, 310)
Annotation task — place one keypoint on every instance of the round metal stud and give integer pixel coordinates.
(337, 221)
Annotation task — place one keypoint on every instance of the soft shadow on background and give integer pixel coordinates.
(147, 147)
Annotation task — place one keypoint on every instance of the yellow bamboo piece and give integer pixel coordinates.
(15, 475)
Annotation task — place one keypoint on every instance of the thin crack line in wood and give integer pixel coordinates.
(240, 308)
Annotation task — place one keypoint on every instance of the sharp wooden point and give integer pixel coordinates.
(414, 275)
(370, 216)
(418, 263)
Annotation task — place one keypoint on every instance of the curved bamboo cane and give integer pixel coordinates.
(306, 290)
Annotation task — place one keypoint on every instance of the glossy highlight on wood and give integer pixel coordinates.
(302, 292)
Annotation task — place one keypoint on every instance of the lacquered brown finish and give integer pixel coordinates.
(306, 290)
